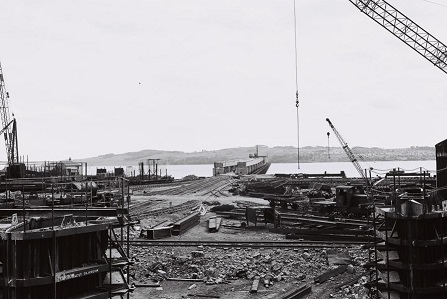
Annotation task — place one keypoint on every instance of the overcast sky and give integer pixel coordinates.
(94, 77)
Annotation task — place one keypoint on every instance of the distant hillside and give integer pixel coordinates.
(278, 154)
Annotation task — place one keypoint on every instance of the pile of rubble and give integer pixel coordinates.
(354, 291)
(222, 265)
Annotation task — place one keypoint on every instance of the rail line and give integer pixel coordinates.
(170, 185)
(184, 206)
(200, 187)
(248, 244)
(210, 187)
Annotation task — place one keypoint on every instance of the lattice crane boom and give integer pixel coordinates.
(406, 30)
(348, 151)
(9, 127)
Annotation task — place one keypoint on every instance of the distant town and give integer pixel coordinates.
(277, 154)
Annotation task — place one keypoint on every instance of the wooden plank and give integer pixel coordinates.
(214, 224)
(218, 223)
(331, 273)
(158, 233)
(251, 215)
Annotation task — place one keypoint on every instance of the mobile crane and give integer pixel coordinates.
(348, 151)
(9, 131)
(407, 31)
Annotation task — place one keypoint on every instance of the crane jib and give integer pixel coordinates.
(406, 30)
(348, 152)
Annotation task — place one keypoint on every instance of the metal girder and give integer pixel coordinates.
(406, 30)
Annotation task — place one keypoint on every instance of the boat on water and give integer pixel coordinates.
(255, 164)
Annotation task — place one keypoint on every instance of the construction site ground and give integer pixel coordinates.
(229, 272)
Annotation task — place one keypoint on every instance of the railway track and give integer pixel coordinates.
(141, 205)
(212, 186)
(248, 244)
(162, 189)
(158, 186)
(182, 207)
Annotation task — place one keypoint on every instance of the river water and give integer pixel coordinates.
(206, 170)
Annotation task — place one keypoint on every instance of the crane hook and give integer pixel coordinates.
(297, 103)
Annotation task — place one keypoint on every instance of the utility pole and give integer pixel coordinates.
(328, 154)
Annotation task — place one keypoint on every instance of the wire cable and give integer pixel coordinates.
(297, 102)
(435, 3)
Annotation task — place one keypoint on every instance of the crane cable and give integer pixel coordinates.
(436, 3)
(297, 102)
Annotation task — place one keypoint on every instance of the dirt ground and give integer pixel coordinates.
(220, 268)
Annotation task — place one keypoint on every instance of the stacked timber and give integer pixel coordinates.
(159, 231)
(182, 225)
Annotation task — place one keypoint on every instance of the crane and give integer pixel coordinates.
(406, 30)
(348, 151)
(9, 127)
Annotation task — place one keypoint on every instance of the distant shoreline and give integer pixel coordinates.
(291, 162)
(317, 154)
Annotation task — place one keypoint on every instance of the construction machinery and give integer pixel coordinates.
(9, 131)
(348, 152)
(406, 30)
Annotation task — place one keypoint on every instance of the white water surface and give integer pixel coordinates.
(206, 170)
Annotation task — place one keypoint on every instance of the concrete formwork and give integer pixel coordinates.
(62, 257)
(411, 262)
(441, 168)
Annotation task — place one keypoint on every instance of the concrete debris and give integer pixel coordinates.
(350, 269)
(197, 253)
(219, 265)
